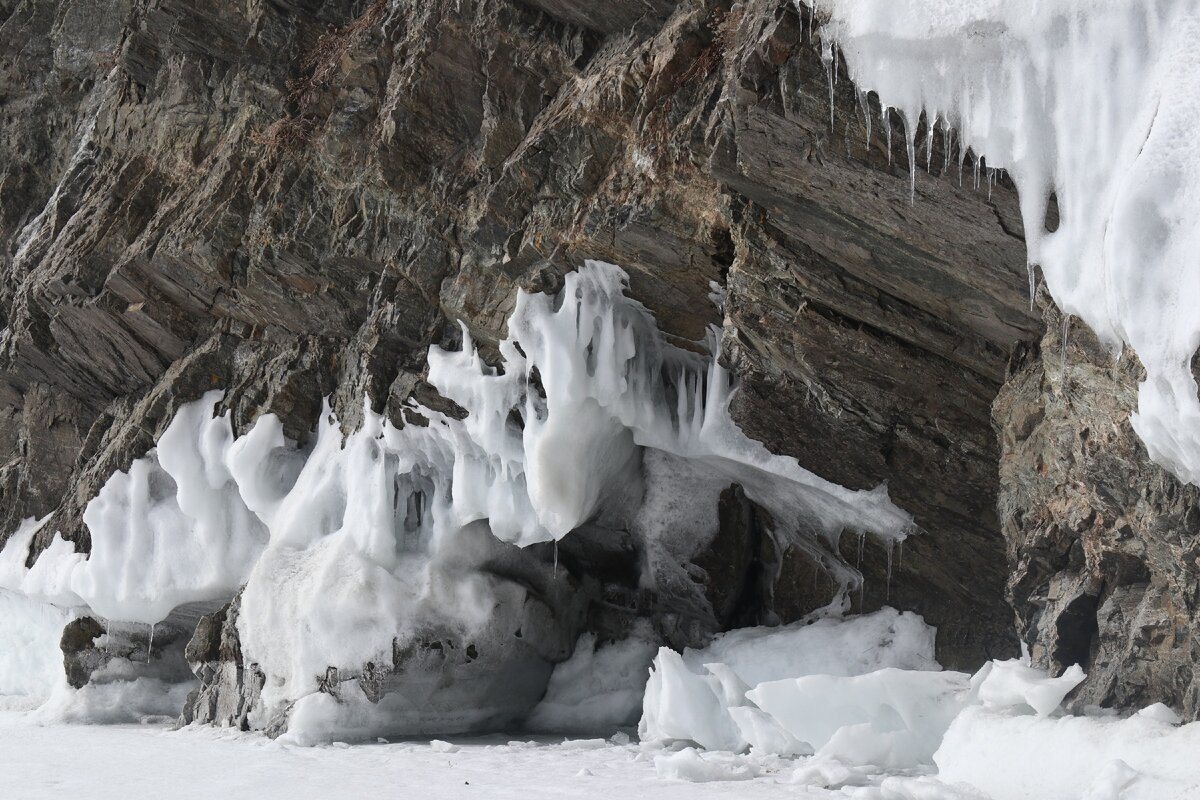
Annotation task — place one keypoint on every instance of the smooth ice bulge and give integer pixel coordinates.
(1096, 103)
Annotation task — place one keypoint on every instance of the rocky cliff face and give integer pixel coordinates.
(1103, 543)
(294, 200)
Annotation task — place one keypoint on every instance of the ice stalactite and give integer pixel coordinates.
(1096, 104)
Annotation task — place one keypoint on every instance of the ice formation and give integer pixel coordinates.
(860, 695)
(1012, 756)
(598, 688)
(864, 689)
(1097, 104)
(353, 546)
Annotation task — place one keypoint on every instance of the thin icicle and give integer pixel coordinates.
(827, 60)
(910, 145)
(1066, 329)
(887, 131)
(888, 592)
(864, 102)
(150, 644)
(930, 123)
(1032, 284)
(948, 141)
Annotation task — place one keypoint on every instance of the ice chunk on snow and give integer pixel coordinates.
(889, 718)
(1014, 757)
(764, 734)
(1160, 712)
(680, 705)
(1004, 684)
(829, 646)
(702, 697)
(1096, 103)
(861, 713)
(691, 765)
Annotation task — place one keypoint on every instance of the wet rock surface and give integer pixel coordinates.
(295, 200)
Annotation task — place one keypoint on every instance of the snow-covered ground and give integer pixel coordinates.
(153, 761)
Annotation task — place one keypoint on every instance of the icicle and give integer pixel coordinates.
(1066, 328)
(887, 131)
(888, 592)
(910, 144)
(556, 559)
(948, 141)
(991, 181)
(930, 122)
(150, 644)
(827, 61)
(1032, 284)
(864, 102)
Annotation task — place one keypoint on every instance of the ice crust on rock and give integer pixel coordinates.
(1097, 104)
(31, 663)
(353, 547)
(598, 688)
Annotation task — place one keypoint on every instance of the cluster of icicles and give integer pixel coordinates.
(1095, 104)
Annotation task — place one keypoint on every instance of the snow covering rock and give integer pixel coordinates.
(600, 687)
(386, 569)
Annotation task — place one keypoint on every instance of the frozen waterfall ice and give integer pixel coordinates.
(1095, 102)
(351, 546)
